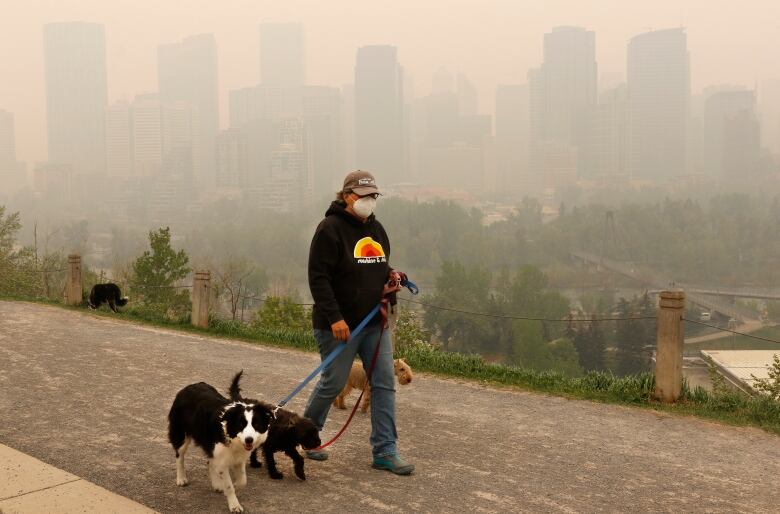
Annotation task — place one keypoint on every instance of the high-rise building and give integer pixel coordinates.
(146, 122)
(731, 138)
(187, 72)
(512, 136)
(76, 95)
(119, 142)
(467, 96)
(318, 107)
(7, 143)
(180, 129)
(609, 136)
(13, 174)
(659, 96)
(379, 139)
(282, 55)
(769, 107)
(563, 96)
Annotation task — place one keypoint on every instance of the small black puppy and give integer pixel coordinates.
(288, 430)
(106, 293)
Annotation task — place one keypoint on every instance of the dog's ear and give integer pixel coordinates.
(404, 361)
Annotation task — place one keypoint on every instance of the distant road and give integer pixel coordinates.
(90, 396)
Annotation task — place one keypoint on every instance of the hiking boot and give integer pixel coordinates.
(393, 463)
(317, 454)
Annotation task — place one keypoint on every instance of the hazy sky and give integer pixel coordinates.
(492, 42)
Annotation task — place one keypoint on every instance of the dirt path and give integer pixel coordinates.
(90, 396)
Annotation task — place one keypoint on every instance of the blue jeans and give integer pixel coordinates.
(334, 378)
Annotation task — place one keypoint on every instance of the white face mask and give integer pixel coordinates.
(364, 207)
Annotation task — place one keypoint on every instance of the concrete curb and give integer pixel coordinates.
(29, 485)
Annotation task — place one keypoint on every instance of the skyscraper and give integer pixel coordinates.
(7, 142)
(187, 72)
(146, 122)
(563, 96)
(732, 139)
(609, 135)
(659, 96)
(75, 68)
(379, 113)
(119, 144)
(512, 134)
(282, 54)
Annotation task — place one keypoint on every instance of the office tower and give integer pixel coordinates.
(318, 107)
(322, 116)
(119, 142)
(379, 113)
(769, 107)
(348, 127)
(609, 136)
(187, 73)
(512, 136)
(232, 158)
(180, 129)
(731, 138)
(146, 122)
(467, 96)
(563, 95)
(7, 143)
(659, 95)
(282, 55)
(75, 73)
(13, 174)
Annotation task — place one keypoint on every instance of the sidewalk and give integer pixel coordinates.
(28, 485)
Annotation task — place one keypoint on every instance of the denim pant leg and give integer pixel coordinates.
(383, 430)
(333, 378)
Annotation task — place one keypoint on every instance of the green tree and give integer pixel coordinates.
(282, 313)
(156, 272)
(770, 385)
(630, 337)
(409, 330)
(591, 347)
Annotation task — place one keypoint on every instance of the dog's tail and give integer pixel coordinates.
(235, 391)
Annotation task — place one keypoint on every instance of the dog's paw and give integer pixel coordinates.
(181, 482)
(276, 475)
(235, 507)
(255, 464)
(300, 474)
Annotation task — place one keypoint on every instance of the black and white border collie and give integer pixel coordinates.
(227, 431)
(106, 293)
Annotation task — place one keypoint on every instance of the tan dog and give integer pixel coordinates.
(357, 380)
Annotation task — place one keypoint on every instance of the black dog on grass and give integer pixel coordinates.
(288, 430)
(106, 293)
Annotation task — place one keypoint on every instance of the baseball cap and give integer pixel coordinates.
(361, 182)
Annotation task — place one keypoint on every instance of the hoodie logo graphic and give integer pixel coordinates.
(368, 251)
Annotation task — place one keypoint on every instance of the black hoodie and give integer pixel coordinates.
(348, 268)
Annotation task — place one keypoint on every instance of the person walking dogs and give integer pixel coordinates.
(348, 277)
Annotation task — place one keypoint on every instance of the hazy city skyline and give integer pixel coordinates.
(728, 43)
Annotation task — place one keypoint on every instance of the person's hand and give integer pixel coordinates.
(388, 289)
(340, 330)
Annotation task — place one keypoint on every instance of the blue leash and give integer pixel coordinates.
(340, 348)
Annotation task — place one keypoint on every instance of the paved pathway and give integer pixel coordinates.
(90, 395)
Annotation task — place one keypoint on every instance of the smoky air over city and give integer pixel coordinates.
(530, 250)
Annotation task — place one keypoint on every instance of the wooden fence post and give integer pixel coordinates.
(74, 288)
(669, 346)
(201, 290)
